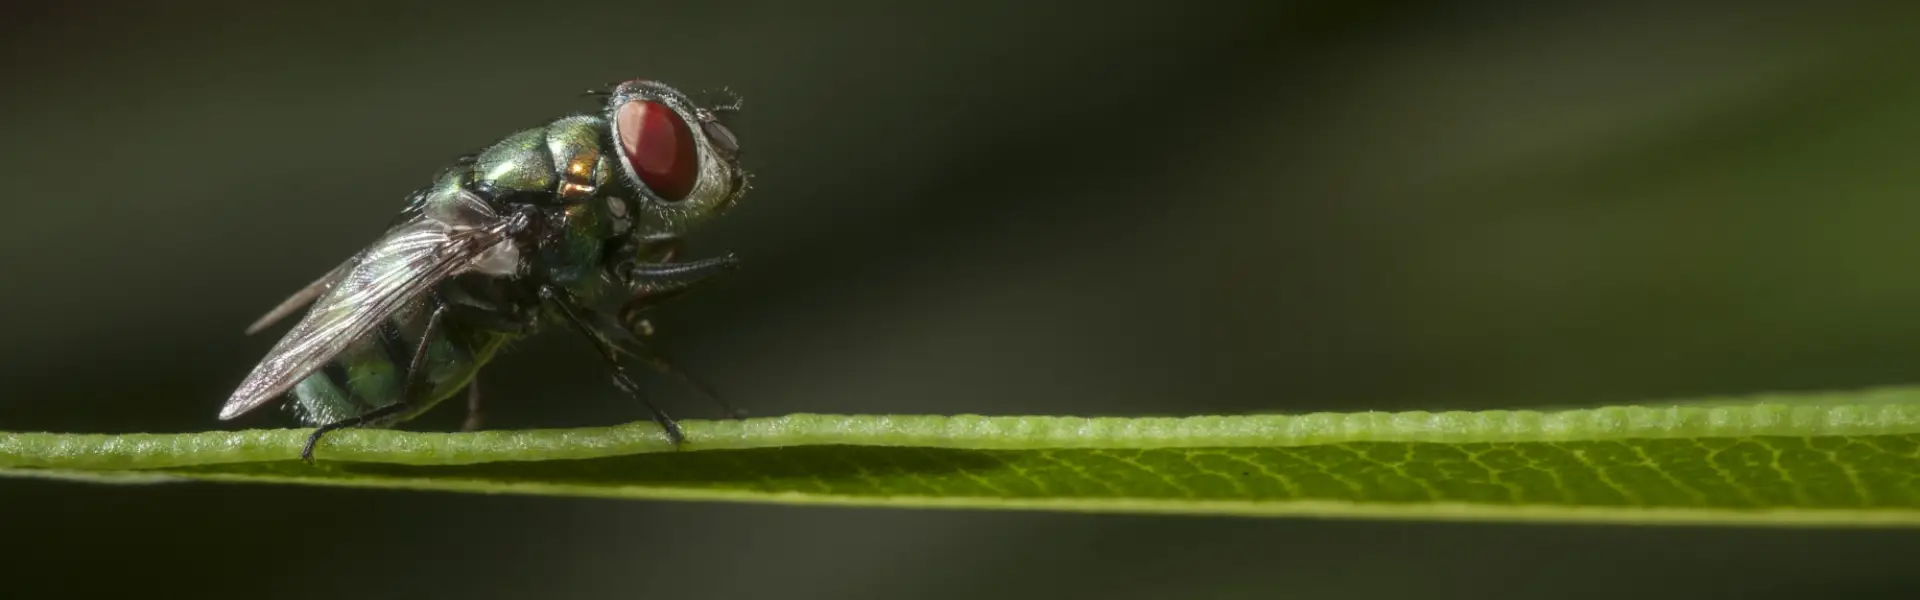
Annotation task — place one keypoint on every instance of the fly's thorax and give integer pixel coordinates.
(674, 159)
(573, 245)
(520, 162)
(567, 158)
(593, 205)
(580, 158)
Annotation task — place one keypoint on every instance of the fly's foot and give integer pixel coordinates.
(306, 452)
(674, 435)
(372, 416)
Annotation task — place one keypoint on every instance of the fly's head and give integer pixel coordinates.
(680, 160)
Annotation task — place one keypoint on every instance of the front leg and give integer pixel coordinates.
(579, 316)
(630, 343)
(655, 279)
(653, 283)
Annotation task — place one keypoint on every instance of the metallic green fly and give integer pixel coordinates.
(536, 228)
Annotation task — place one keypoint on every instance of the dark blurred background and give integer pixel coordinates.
(1112, 208)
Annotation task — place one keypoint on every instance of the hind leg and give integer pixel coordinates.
(416, 381)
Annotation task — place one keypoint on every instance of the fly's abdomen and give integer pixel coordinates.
(373, 371)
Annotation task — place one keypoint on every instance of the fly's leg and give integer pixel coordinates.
(676, 276)
(630, 342)
(306, 452)
(472, 423)
(665, 365)
(416, 379)
(656, 250)
(654, 283)
(571, 309)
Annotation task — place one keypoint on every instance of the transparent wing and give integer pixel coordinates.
(462, 234)
(306, 295)
(301, 298)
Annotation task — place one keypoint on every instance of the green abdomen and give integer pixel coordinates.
(372, 372)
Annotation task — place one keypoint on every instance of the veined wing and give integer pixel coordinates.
(460, 235)
(306, 295)
(301, 298)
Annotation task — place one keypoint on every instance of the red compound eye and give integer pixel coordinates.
(659, 147)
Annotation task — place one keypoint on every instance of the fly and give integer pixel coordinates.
(537, 228)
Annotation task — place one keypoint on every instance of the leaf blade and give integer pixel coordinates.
(1825, 459)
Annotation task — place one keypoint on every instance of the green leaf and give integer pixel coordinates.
(1820, 459)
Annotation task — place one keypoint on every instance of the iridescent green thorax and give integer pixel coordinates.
(517, 162)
